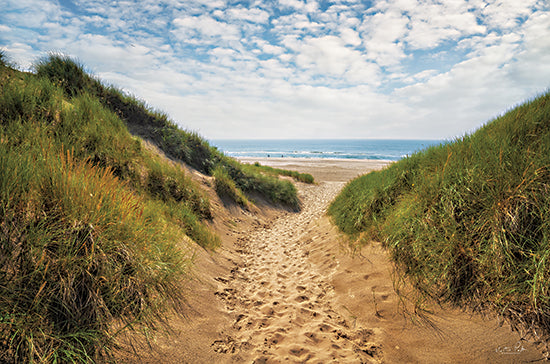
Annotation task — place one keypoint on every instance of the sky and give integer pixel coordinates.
(288, 69)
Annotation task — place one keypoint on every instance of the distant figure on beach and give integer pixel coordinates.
(268, 156)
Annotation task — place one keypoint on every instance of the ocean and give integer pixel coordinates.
(377, 149)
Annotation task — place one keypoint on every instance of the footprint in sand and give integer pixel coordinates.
(297, 324)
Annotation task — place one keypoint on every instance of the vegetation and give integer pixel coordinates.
(301, 177)
(93, 224)
(252, 180)
(468, 222)
(225, 187)
(78, 249)
(152, 125)
(3, 59)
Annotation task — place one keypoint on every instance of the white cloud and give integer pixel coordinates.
(433, 23)
(402, 68)
(350, 37)
(36, 12)
(329, 56)
(506, 14)
(488, 83)
(306, 5)
(251, 15)
(204, 28)
(295, 24)
(22, 54)
(530, 69)
(383, 34)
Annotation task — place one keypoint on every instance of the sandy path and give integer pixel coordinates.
(283, 304)
(297, 294)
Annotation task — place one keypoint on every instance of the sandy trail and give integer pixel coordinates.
(283, 303)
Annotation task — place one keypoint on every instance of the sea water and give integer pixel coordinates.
(377, 149)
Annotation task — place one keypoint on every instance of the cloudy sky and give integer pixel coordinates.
(422, 69)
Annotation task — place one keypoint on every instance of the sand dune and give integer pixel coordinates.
(285, 287)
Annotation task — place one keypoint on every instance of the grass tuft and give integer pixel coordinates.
(225, 187)
(66, 73)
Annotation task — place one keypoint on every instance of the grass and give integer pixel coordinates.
(78, 251)
(4, 62)
(468, 222)
(94, 226)
(300, 177)
(225, 187)
(250, 179)
(156, 126)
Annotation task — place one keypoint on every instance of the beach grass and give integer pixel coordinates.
(467, 222)
(153, 125)
(96, 226)
(86, 240)
(225, 187)
(298, 176)
(252, 180)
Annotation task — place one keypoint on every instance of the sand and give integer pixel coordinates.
(324, 170)
(285, 287)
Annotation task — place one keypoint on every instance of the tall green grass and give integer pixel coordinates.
(468, 222)
(78, 252)
(92, 225)
(225, 187)
(176, 143)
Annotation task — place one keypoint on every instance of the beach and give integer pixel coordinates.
(287, 287)
(326, 170)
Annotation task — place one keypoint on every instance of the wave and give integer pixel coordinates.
(313, 154)
(334, 149)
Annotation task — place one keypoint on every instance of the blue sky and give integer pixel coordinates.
(301, 68)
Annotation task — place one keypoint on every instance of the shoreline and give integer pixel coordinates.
(322, 169)
(314, 159)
